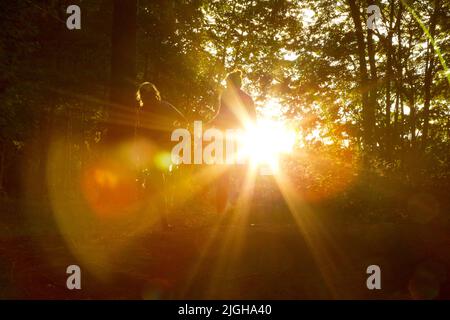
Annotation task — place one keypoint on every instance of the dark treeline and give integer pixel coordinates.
(381, 96)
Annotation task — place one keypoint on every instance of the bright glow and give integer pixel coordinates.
(272, 109)
(308, 16)
(289, 55)
(265, 142)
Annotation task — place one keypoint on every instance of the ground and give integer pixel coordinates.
(269, 259)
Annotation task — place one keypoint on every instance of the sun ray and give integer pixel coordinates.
(322, 246)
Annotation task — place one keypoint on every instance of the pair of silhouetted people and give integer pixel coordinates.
(156, 119)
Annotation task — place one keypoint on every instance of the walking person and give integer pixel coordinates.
(236, 111)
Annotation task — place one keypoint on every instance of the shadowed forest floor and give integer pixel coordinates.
(273, 260)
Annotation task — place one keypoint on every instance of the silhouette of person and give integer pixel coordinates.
(158, 118)
(156, 121)
(236, 107)
(236, 111)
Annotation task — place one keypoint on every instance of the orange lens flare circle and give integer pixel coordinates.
(110, 190)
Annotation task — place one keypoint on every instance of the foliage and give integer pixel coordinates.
(54, 82)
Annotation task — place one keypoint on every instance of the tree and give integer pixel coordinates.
(123, 61)
(367, 106)
(429, 73)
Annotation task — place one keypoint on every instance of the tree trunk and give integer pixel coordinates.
(399, 79)
(373, 87)
(388, 133)
(368, 112)
(2, 165)
(123, 70)
(123, 59)
(429, 68)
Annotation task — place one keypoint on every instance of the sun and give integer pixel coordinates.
(270, 137)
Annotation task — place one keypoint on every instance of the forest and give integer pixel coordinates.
(365, 182)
